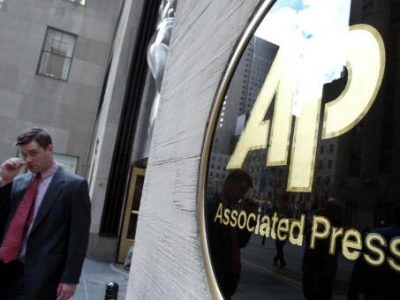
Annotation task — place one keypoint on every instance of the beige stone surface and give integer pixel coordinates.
(167, 259)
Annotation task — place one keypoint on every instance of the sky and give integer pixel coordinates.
(311, 34)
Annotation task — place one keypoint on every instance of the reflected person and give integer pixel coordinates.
(225, 241)
(266, 210)
(377, 282)
(320, 267)
(284, 211)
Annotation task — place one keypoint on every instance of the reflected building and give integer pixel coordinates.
(359, 167)
(242, 93)
(108, 99)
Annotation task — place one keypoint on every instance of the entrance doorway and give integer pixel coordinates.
(131, 213)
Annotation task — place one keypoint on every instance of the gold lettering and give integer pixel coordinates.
(227, 213)
(242, 219)
(265, 226)
(219, 213)
(301, 170)
(282, 120)
(365, 65)
(273, 230)
(336, 232)
(320, 229)
(379, 252)
(299, 225)
(351, 241)
(234, 215)
(255, 134)
(249, 218)
(283, 228)
(395, 250)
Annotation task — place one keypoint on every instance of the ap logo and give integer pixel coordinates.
(365, 63)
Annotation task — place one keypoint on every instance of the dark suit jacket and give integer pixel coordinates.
(225, 243)
(376, 282)
(57, 243)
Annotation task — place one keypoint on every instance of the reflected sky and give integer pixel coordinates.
(342, 146)
(312, 35)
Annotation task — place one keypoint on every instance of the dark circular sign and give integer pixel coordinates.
(300, 172)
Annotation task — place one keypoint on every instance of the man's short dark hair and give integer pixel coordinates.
(39, 135)
(238, 176)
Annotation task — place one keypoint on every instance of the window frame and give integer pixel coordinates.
(77, 2)
(42, 51)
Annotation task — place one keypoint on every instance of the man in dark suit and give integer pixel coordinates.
(377, 282)
(44, 223)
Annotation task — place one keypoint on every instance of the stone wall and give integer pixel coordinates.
(167, 259)
(66, 108)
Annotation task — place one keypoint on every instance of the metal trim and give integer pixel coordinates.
(256, 19)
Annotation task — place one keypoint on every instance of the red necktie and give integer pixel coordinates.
(12, 242)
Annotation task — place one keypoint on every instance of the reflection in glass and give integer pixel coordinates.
(80, 2)
(310, 115)
(135, 207)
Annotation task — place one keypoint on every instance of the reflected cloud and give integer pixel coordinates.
(312, 36)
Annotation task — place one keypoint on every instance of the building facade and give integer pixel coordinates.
(55, 58)
(53, 61)
(200, 126)
(160, 100)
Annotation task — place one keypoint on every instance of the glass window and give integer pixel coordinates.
(328, 180)
(67, 162)
(56, 57)
(80, 2)
(329, 164)
(2, 3)
(300, 227)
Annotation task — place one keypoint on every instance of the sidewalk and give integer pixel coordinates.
(95, 276)
(261, 278)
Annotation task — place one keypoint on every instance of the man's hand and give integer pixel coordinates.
(10, 168)
(65, 291)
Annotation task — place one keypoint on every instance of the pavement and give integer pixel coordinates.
(95, 276)
(261, 279)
